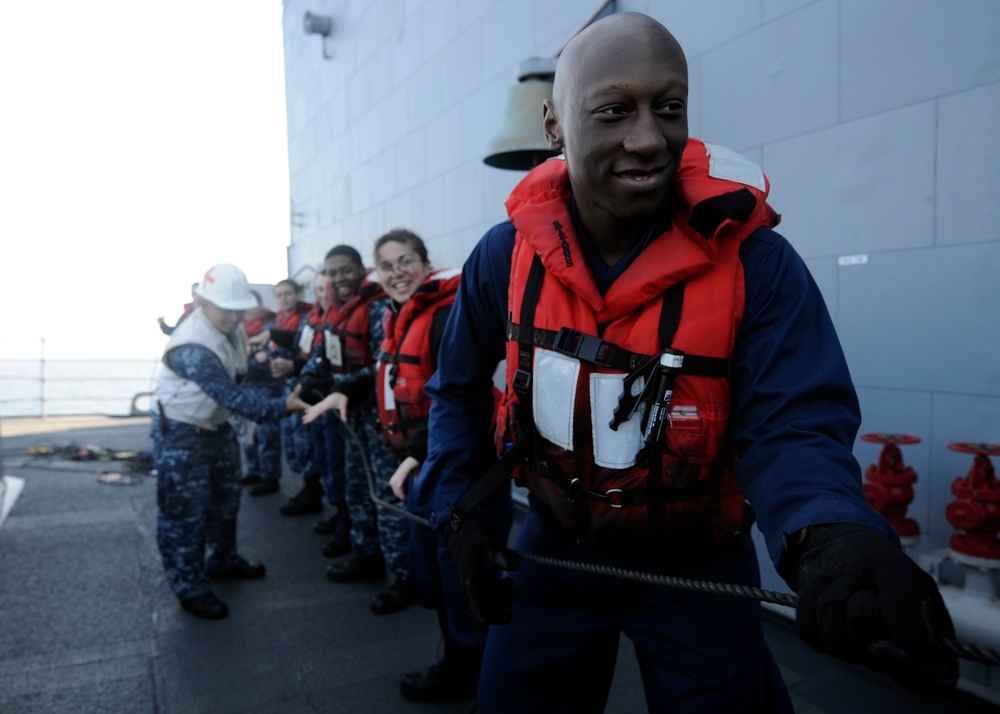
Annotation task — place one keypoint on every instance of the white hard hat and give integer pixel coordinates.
(226, 286)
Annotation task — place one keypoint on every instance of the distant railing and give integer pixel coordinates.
(36, 386)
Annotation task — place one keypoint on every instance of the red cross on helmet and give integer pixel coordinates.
(226, 286)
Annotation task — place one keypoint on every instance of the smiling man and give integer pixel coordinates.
(672, 374)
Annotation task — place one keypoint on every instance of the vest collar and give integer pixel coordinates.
(711, 203)
(539, 210)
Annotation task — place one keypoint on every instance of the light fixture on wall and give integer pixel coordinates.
(321, 25)
(520, 145)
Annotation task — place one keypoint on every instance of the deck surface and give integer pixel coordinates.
(89, 625)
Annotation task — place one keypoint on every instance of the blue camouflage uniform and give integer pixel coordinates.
(198, 474)
(328, 456)
(263, 455)
(296, 437)
(372, 527)
(328, 438)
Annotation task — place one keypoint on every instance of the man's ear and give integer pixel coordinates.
(550, 126)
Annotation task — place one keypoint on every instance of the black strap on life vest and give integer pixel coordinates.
(522, 376)
(518, 454)
(498, 474)
(402, 426)
(405, 427)
(397, 357)
(365, 293)
(596, 351)
(657, 493)
(593, 350)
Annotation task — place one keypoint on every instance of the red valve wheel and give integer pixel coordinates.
(975, 447)
(883, 438)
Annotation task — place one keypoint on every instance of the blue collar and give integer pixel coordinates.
(604, 274)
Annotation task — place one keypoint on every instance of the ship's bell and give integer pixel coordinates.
(520, 144)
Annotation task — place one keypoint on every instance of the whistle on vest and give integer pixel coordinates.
(652, 385)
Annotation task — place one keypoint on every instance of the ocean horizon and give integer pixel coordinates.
(60, 387)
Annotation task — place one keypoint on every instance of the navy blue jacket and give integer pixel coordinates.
(795, 413)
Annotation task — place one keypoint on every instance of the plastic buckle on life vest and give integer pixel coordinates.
(522, 380)
(574, 490)
(584, 347)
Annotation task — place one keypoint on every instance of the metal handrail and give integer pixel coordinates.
(42, 376)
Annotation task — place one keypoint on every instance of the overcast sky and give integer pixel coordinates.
(140, 143)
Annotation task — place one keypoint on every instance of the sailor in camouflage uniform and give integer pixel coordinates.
(262, 456)
(195, 449)
(379, 536)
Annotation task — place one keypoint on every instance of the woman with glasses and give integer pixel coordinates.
(420, 302)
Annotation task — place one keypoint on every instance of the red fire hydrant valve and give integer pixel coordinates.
(976, 508)
(889, 485)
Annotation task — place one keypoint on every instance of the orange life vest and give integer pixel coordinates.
(405, 362)
(570, 349)
(289, 320)
(347, 333)
(292, 321)
(311, 331)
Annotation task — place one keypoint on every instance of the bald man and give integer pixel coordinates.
(672, 375)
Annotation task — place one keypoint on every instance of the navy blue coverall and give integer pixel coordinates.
(697, 653)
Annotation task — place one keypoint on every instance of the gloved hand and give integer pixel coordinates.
(315, 387)
(477, 552)
(863, 600)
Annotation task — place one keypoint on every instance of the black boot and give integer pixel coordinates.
(264, 487)
(207, 606)
(456, 676)
(360, 567)
(240, 569)
(398, 596)
(307, 500)
(341, 543)
(329, 526)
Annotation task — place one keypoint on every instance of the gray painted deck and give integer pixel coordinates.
(88, 624)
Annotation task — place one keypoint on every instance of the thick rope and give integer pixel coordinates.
(974, 653)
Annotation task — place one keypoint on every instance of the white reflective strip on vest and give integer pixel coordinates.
(306, 339)
(613, 449)
(388, 397)
(726, 164)
(331, 344)
(554, 396)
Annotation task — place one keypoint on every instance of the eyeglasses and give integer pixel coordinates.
(403, 264)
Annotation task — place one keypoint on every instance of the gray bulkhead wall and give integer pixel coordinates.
(877, 123)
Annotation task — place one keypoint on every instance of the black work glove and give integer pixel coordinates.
(863, 600)
(315, 388)
(477, 553)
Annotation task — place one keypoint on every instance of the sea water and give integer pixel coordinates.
(60, 387)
